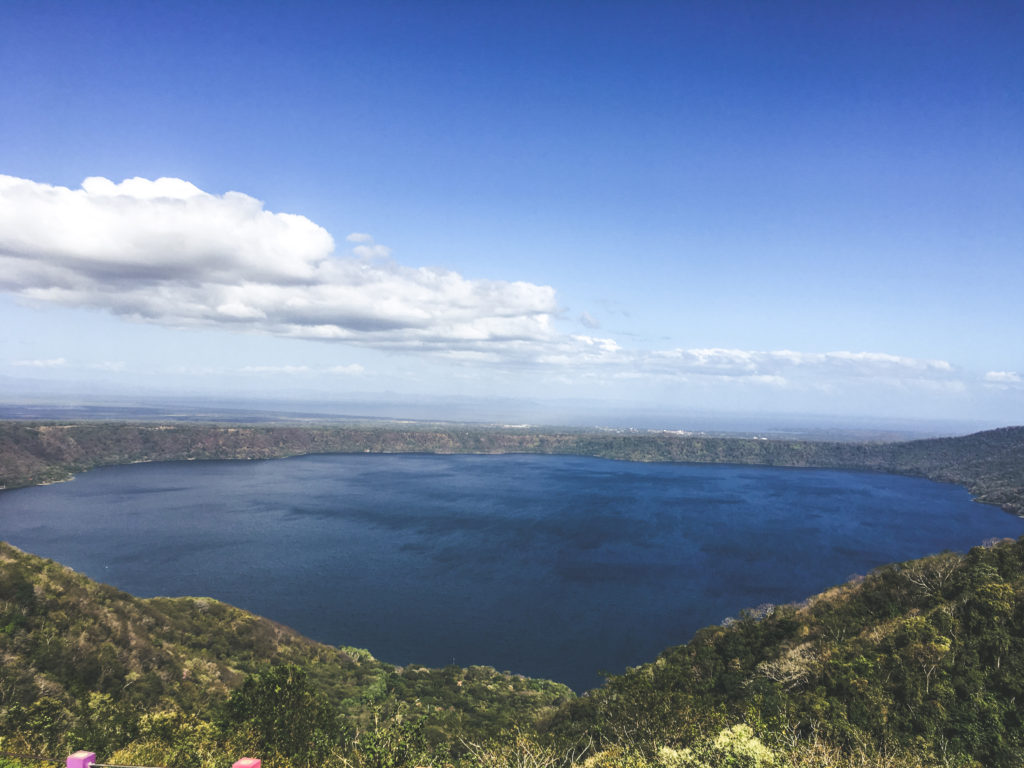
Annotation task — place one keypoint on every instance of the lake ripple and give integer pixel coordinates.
(551, 566)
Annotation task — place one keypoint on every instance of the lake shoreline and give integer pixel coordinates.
(989, 464)
(503, 560)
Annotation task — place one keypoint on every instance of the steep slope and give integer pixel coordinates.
(922, 658)
(81, 662)
(919, 664)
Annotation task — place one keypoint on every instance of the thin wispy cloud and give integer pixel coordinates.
(354, 369)
(55, 362)
(115, 366)
(284, 369)
(756, 368)
(739, 362)
(1004, 379)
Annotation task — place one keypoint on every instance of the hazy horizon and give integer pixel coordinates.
(505, 413)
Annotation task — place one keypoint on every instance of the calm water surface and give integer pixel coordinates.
(559, 567)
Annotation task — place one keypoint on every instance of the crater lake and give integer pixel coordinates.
(551, 566)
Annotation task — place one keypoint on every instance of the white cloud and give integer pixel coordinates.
(367, 248)
(603, 345)
(286, 369)
(354, 369)
(166, 252)
(1003, 379)
(173, 189)
(55, 362)
(742, 362)
(588, 321)
(372, 251)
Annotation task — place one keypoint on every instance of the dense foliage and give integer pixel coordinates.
(84, 664)
(918, 664)
(924, 657)
(989, 464)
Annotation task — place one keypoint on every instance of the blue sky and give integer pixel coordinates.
(752, 207)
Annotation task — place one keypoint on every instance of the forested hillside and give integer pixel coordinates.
(919, 664)
(990, 464)
(84, 664)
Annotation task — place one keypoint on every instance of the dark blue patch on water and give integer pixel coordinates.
(558, 567)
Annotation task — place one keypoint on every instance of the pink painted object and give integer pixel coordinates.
(247, 762)
(81, 759)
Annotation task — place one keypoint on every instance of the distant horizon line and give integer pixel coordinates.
(480, 411)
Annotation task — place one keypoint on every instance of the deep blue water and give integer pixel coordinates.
(558, 567)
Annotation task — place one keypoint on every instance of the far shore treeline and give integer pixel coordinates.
(987, 463)
(917, 665)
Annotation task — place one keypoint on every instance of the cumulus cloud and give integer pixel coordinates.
(167, 252)
(367, 249)
(164, 251)
(579, 350)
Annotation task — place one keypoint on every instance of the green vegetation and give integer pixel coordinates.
(923, 659)
(989, 463)
(918, 664)
(181, 681)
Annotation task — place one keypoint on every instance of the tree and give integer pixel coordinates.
(735, 747)
(280, 717)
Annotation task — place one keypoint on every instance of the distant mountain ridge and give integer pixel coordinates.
(989, 464)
